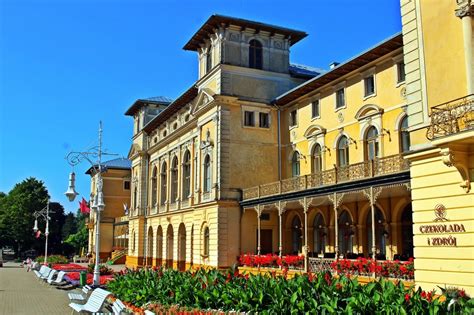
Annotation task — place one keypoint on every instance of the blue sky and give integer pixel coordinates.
(66, 64)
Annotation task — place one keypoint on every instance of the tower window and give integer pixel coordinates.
(249, 119)
(255, 54)
(264, 120)
(208, 60)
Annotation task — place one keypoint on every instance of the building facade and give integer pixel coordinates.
(114, 220)
(263, 156)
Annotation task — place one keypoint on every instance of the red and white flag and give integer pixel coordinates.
(83, 206)
(38, 234)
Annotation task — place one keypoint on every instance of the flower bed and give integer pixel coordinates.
(367, 267)
(232, 291)
(73, 278)
(272, 261)
(68, 267)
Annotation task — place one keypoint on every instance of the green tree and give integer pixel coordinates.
(16, 214)
(70, 226)
(79, 239)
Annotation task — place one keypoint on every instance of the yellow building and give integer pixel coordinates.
(262, 156)
(439, 86)
(113, 220)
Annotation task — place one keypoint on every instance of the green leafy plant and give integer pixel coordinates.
(159, 289)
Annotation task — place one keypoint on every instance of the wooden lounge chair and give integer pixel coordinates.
(58, 279)
(79, 296)
(51, 275)
(94, 303)
(40, 272)
(47, 273)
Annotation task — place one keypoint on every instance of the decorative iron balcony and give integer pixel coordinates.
(451, 117)
(378, 167)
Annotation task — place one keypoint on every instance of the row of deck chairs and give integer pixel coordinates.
(88, 300)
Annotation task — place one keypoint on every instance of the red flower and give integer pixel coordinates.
(407, 298)
(338, 286)
(462, 293)
(327, 277)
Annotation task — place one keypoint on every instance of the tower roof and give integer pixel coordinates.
(216, 20)
(159, 100)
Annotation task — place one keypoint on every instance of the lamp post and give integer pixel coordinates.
(97, 202)
(45, 214)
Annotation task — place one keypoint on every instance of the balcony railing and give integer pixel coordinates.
(451, 117)
(378, 167)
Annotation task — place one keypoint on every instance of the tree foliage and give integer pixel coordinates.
(16, 214)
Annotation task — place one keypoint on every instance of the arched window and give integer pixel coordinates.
(159, 245)
(154, 186)
(207, 173)
(186, 175)
(319, 234)
(295, 164)
(296, 235)
(255, 54)
(404, 135)
(163, 181)
(206, 237)
(371, 143)
(317, 159)
(379, 232)
(345, 233)
(174, 180)
(343, 152)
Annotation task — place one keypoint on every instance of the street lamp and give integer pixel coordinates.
(97, 202)
(45, 214)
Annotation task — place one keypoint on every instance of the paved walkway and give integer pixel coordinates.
(22, 293)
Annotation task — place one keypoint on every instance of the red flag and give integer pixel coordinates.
(83, 206)
(38, 233)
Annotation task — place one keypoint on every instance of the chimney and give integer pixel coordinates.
(333, 65)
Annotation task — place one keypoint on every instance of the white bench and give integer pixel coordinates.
(94, 303)
(117, 308)
(78, 296)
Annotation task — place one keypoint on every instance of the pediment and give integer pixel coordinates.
(134, 150)
(204, 97)
(314, 130)
(368, 111)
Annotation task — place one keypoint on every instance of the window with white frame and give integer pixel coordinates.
(207, 174)
(187, 175)
(340, 98)
(264, 120)
(249, 118)
(315, 109)
(293, 118)
(369, 85)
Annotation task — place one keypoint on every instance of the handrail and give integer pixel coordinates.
(451, 117)
(367, 169)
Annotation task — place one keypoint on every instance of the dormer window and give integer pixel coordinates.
(255, 54)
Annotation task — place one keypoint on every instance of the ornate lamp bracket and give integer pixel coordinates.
(460, 161)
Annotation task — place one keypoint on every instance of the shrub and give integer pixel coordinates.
(53, 259)
(270, 294)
